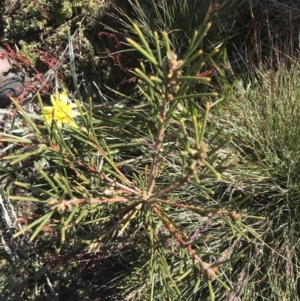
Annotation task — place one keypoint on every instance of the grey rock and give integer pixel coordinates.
(13, 81)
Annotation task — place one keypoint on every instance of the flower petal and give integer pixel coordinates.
(48, 109)
(63, 97)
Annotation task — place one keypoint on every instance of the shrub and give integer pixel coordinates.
(134, 180)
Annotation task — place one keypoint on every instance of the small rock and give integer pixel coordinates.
(12, 81)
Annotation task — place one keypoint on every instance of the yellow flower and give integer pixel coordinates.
(61, 111)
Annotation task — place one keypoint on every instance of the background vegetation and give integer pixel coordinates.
(180, 180)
